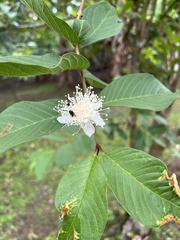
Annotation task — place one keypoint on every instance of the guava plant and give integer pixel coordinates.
(139, 181)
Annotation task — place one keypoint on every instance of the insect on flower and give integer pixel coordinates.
(71, 113)
(82, 109)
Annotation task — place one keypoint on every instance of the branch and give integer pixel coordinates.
(79, 14)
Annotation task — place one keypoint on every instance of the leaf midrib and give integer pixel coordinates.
(136, 97)
(29, 125)
(140, 182)
(84, 190)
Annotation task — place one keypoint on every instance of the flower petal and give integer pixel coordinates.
(98, 120)
(98, 105)
(89, 130)
(64, 119)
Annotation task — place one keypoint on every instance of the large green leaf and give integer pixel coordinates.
(135, 179)
(103, 21)
(25, 121)
(138, 90)
(83, 190)
(93, 80)
(31, 65)
(55, 23)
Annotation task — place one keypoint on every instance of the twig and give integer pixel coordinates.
(83, 81)
(79, 14)
(98, 148)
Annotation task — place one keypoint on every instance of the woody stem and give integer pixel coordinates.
(79, 15)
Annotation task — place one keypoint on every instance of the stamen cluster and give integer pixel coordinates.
(81, 109)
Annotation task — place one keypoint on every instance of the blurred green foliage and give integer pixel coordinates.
(157, 54)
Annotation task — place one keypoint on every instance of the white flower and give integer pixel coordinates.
(81, 109)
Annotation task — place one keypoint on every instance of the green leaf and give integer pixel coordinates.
(26, 121)
(55, 137)
(64, 155)
(83, 144)
(135, 179)
(55, 23)
(157, 129)
(103, 21)
(140, 136)
(81, 27)
(41, 161)
(93, 80)
(83, 190)
(162, 120)
(160, 141)
(138, 90)
(32, 65)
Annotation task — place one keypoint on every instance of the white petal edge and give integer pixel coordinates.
(64, 119)
(98, 120)
(89, 130)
